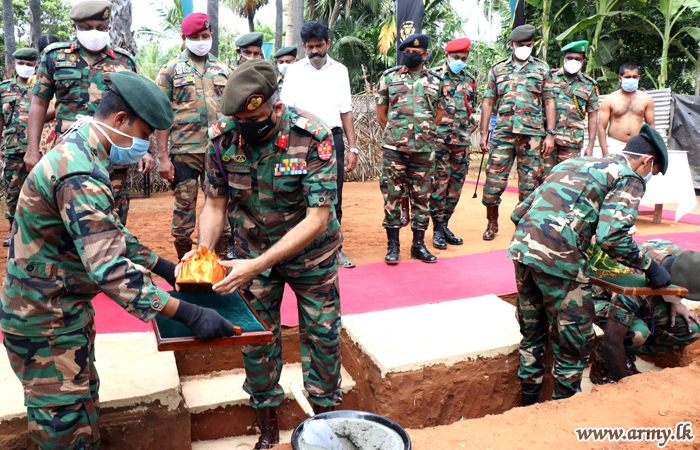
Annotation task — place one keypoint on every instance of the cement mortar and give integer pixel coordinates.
(358, 434)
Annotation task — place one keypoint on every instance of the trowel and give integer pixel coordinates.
(316, 432)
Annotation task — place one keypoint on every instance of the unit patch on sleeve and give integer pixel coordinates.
(325, 150)
(292, 166)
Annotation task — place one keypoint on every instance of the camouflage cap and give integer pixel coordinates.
(657, 141)
(145, 97)
(576, 47)
(250, 85)
(255, 39)
(91, 10)
(522, 33)
(26, 54)
(290, 50)
(684, 273)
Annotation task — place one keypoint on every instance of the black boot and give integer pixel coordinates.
(450, 238)
(393, 247)
(269, 429)
(438, 235)
(531, 394)
(418, 249)
(231, 252)
(6, 242)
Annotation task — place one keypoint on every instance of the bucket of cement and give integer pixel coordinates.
(357, 430)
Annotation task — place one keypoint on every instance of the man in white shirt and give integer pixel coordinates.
(320, 85)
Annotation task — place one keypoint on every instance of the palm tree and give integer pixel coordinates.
(8, 20)
(246, 8)
(279, 30)
(213, 13)
(170, 21)
(120, 33)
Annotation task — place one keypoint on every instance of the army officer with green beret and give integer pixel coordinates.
(68, 246)
(284, 57)
(576, 96)
(278, 165)
(14, 100)
(249, 47)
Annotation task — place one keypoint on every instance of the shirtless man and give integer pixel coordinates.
(626, 110)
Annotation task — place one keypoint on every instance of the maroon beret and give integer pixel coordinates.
(458, 45)
(194, 23)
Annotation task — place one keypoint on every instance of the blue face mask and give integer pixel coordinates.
(630, 84)
(123, 156)
(457, 66)
(648, 178)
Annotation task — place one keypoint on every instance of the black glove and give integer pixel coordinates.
(205, 323)
(658, 276)
(165, 269)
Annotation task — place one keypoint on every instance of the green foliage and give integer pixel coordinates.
(267, 31)
(151, 58)
(227, 48)
(169, 23)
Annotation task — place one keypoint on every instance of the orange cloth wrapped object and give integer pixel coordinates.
(200, 272)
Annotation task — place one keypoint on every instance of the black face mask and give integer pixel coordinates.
(412, 60)
(253, 132)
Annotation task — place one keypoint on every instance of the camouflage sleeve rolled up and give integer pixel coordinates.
(320, 182)
(592, 103)
(548, 85)
(617, 216)
(382, 95)
(165, 82)
(100, 243)
(490, 91)
(441, 100)
(44, 86)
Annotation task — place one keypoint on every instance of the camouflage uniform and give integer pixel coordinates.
(413, 101)
(195, 99)
(15, 116)
(519, 130)
(65, 71)
(453, 138)
(272, 184)
(575, 96)
(68, 246)
(582, 197)
(647, 317)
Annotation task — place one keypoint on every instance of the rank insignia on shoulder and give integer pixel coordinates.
(292, 166)
(325, 150)
(226, 158)
(240, 159)
(282, 142)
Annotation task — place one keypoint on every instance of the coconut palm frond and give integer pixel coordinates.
(387, 36)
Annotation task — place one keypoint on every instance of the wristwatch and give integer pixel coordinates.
(354, 150)
(553, 132)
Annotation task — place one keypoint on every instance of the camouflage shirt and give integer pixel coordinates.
(273, 182)
(66, 72)
(460, 102)
(196, 100)
(413, 101)
(582, 197)
(575, 96)
(15, 116)
(69, 245)
(521, 92)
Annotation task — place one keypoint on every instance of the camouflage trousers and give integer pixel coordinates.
(318, 303)
(60, 387)
(558, 155)
(414, 170)
(639, 340)
(560, 312)
(505, 147)
(120, 191)
(451, 167)
(186, 193)
(15, 174)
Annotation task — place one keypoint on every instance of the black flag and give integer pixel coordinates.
(409, 17)
(517, 13)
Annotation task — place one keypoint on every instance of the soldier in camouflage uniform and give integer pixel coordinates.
(646, 325)
(453, 139)
(410, 103)
(284, 57)
(68, 246)
(523, 87)
(14, 99)
(194, 82)
(78, 74)
(278, 165)
(582, 197)
(576, 96)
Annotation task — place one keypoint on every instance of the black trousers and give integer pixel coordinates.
(340, 158)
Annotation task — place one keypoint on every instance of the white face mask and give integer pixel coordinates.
(283, 68)
(522, 53)
(24, 71)
(572, 66)
(199, 48)
(93, 40)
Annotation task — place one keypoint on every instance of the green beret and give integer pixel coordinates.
(684, 273)
(26, 54)
(657, 141)
(576, 47)
(91, 10)
(290, 50)
(522, 33)
(255, 39)
(250, 85)
(145, 97)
